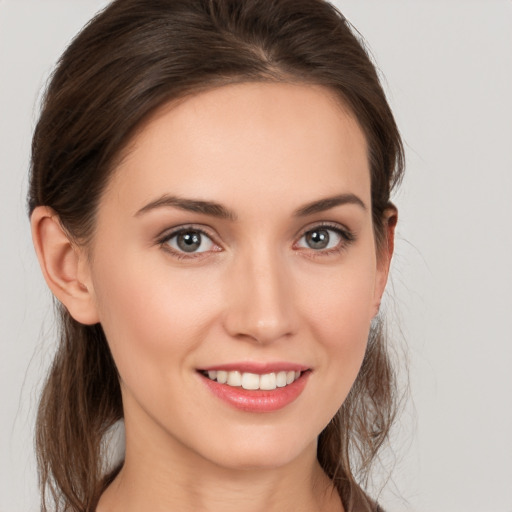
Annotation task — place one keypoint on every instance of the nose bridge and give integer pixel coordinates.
(261, 304)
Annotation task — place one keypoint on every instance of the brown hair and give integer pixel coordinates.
(133, 57)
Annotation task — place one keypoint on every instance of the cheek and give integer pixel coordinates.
(340, 314)
(152, 318)
(341, 305)
(344, 333)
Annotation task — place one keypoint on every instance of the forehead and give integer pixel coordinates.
(254, 138)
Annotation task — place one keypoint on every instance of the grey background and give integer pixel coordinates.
(447, 68)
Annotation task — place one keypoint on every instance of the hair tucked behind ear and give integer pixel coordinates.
(132, 58)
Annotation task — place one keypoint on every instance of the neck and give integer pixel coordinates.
(175, 479)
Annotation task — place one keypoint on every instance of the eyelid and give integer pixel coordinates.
(168, 234)
(345, 233)
(336, 226)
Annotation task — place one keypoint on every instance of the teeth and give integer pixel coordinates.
(253, 381)
(281, 379)
(234, 379)
(250, 381)
(268, 381)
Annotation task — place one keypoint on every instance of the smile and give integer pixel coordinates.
(257, 388)
(254, 381)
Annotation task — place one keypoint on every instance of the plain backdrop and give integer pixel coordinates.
(446, 67)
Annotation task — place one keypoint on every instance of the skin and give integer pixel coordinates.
(256, 291)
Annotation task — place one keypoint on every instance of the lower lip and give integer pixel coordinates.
(258, 400)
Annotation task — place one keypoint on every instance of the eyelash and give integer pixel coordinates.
(347, 238)
(164, 240)
(346, 235)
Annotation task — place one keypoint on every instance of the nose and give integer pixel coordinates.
(260, 303)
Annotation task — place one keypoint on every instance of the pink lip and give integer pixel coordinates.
(258, 368)
(258, 400)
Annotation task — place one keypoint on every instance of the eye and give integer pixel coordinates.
(190, 241)
(323, 238)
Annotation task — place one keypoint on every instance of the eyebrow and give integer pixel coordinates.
(190, 205)
(214, 209)
(328, 203)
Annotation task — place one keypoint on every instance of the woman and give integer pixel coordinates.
(210, 205)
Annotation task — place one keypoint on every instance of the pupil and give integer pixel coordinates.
(189, 241)
(318, 239)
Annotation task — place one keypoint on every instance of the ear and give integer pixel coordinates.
(64, 265)
(385, 253)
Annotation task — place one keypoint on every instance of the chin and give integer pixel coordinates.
(264, 450)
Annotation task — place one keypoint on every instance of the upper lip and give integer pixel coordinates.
(257, 367)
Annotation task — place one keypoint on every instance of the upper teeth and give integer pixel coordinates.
(246, 380)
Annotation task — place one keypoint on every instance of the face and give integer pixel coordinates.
(235, 242)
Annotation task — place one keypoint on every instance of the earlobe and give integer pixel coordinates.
(385, 253)
(62, 264)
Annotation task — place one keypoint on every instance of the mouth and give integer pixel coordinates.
(256, 388)
(253, 381)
